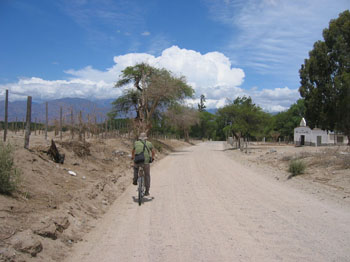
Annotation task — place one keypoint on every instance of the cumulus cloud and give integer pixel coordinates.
(274, 100)
(42, 90)
(210, 74)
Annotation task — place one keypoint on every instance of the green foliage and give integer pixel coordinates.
(125, 103)
(296, 167)
(139, 75)
(284, 122)
(325, 78)
(9, 174)
(242, 118)
(206, 128)
(155, 90)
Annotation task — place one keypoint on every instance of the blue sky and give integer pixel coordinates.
(225, 48)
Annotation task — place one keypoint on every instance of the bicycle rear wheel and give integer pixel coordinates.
(140, 189)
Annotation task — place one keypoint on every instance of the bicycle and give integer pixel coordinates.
(141, 185)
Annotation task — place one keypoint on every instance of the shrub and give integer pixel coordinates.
(296, 167)
(157, 145)
(9, 174)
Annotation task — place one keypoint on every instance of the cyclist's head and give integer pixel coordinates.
(143, 136)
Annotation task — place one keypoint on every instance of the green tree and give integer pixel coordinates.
(154, 90)
(325, 78)
(284, 122)
(242, 118)
(207, 127)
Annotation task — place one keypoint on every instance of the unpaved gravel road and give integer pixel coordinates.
(205, 206)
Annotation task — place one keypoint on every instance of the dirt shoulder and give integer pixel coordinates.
(53, 209)
(327, 173)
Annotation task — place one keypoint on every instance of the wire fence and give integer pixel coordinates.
(68, 123)
(64, 122)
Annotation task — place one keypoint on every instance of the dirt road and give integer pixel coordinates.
(204, 206)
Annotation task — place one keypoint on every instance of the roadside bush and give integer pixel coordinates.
(296, 167)
(9, 174)
(157, 145)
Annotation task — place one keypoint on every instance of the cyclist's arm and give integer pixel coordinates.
(153, 153)
(133, 154)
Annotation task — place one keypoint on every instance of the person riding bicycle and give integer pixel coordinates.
(142, 145)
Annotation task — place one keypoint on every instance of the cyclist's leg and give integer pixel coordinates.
(147, 177)
(136, 171)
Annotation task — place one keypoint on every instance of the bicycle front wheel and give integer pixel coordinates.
(140, 189)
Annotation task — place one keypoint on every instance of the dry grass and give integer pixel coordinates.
(296, 167)
(9, 174)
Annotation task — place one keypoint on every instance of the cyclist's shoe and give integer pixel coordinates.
(146, 193)
(134, 182)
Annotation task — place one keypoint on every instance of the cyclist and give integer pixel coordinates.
(145, 146)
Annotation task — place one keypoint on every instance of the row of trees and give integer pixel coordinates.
(154, 99)
(242, 118)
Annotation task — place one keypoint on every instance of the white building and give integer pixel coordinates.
(304, 135)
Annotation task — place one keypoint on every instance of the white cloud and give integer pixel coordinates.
(274, 100)
(210, 74)
(41, 89)
(146, 33)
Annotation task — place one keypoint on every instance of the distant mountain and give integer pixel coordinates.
(98, 108)
(212, 110)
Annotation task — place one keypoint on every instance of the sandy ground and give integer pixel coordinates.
(208, 203)
(327, 173)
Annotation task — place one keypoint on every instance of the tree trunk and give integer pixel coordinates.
(187, 137)
(46, 119)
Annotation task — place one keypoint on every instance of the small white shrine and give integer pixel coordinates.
(304, 135)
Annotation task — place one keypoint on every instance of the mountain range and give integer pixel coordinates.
(17, 109)
(98, 108)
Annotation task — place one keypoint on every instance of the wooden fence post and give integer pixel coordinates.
(16, 125)
(61, 123)
(106, 123)
(88, 131)
(46, 118)
(35, 126)
(71, 123)
(6, 114)
(28, 120)
(96, 128)
(80, 126)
